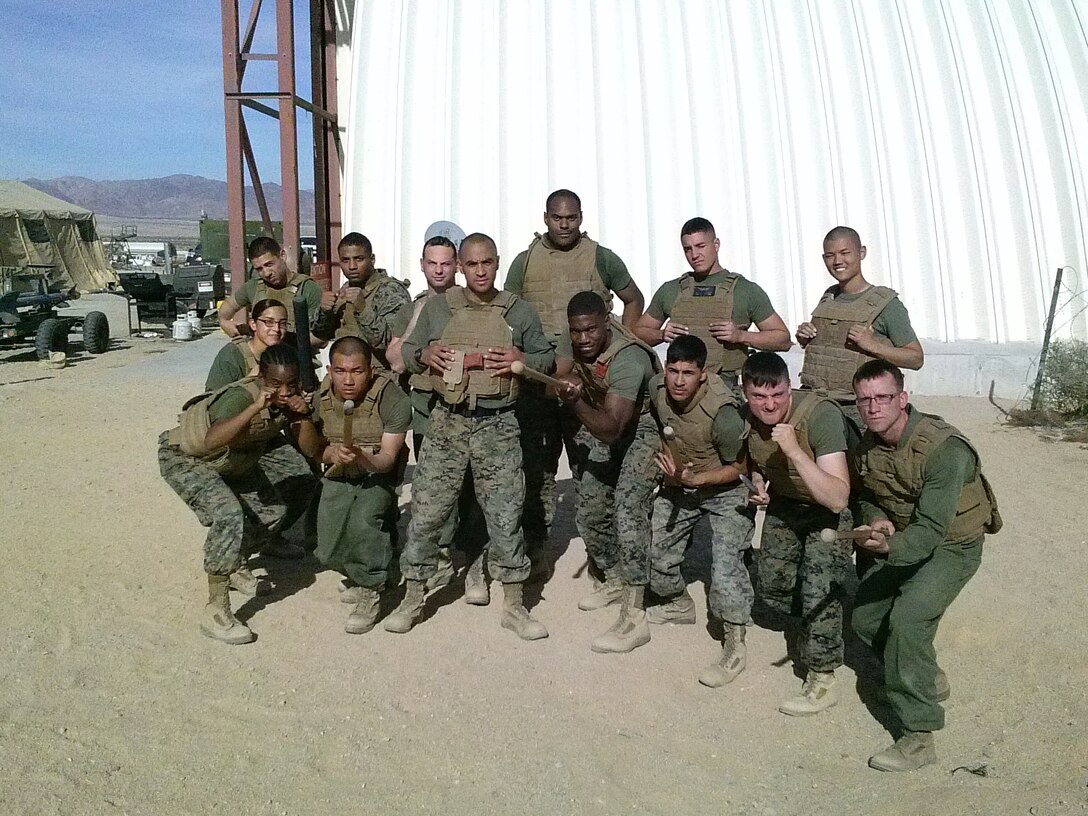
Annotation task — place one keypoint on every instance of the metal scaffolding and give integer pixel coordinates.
(237, 53)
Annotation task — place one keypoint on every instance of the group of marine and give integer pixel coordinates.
(495, 383)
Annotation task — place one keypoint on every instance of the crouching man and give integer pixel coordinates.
(923, 499)
(701, 468)
(608, 391)
(797, 455)
(357, 516)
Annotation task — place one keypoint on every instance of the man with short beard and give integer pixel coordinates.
(926, 506)
(608, 392)
(273, 279)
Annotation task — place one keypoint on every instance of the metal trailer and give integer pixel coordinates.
(28, 309)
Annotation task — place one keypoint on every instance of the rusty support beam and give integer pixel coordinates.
(237, 54)
(255, 176)
(326, 137)
(285, 46)
(251, 28)
(257, 106)
(236, 202)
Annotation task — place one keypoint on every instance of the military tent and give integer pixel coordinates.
(36, 228)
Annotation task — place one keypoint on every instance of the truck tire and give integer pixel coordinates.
(96, 332)
(52, 336)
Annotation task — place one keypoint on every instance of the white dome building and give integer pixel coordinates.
(952, 135)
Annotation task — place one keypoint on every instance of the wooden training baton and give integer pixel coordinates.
(522, 370)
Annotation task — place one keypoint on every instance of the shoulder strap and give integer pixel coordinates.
(455, 298)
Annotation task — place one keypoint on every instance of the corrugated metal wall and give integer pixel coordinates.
(953, 134)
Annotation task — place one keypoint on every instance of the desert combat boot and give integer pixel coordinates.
(679, 610)
(630, 630)
(516, 618)
(732, 660)
(817, 693)
(244, 581)
(365, 614)
(911, 751)
(406, 615)
(605, 594)
(477, 593)
(218, 622)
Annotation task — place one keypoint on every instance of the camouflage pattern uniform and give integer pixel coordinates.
(676, 512)
(547, 278)
(258, 479)
(709, 434)
(800, 574)
(239, 511)
(473, 425)
(371, 316)
(616, 481)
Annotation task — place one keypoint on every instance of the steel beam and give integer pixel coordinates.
(237, 53)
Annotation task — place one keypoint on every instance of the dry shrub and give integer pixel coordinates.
(1064, 389)
(1028, 418)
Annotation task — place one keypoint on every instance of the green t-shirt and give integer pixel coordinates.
(728, 433)
(399, 322)
(228, 366)
(524, 325)
(893, 321)
(610, 267)
(750, 302)
(826, 429)
(950, 466)
(395, 410)
(229, 404)
(246, 296)
(629, 374)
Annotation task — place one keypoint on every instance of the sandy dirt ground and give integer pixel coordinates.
(112, 702)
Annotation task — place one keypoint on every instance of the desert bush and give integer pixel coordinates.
(1064, 389)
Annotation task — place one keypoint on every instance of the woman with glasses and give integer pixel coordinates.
(239, 357)
(287, 469)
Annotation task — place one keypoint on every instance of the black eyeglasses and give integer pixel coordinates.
(879, 399)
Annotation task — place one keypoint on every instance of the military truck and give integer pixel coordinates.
(28, 309)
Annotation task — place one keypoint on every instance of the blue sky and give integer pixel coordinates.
(123, 89)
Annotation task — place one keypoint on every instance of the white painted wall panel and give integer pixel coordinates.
(951, 134)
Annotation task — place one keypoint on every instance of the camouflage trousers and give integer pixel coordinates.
(546, 426)
(676, 512)
(465, 526)
(239, 511)
(897, 610)
(489, 446)
(615, 497)
(357, 528)
(801, 575)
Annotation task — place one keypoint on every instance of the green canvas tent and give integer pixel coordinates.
(36, 228)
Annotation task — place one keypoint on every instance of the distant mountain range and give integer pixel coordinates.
(178, 197)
